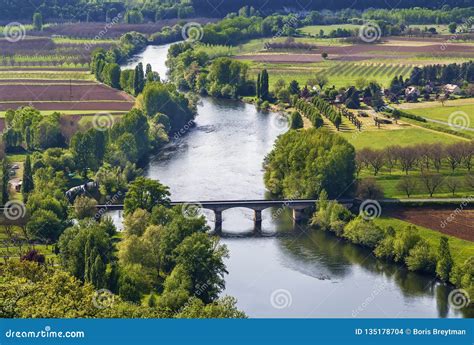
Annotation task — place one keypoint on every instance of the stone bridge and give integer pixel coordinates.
(218, 206)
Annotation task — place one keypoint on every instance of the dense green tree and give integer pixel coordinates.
(294, 87)
(202, 258)
(27, 184)
(44, 225)
(85, 207)
(404, 241)
(228, 78)
(364, 232)
(38, 21)
(139, 79)
(264, 86)
(47, 133)
(161, 98)
(127, 77)
(133, 284)
(296, 121)
(29, 290)
(304, 162)
(84, 151)
(145, 193)
(421, 258)
(111, 75)
(80, 246)
(445, 262)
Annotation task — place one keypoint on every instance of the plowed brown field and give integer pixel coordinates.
(448, 221)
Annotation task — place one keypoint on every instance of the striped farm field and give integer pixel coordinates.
(339, 74)
(346, 73)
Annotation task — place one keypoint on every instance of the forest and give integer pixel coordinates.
(88, 10)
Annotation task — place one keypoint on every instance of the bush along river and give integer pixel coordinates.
(281, 271)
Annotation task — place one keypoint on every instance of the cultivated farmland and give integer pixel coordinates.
(63, 96)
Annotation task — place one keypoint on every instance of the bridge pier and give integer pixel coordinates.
(218, 221)
(298, 215)
(257, 218)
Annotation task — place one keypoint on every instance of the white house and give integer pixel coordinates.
(452, 89)
(412, 90)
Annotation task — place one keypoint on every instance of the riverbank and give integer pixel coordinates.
(445, 258)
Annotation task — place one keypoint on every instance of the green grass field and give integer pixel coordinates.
(378, 139)
(389, 180)
(443, 113)
(461, 250)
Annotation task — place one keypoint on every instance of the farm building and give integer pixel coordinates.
(452, 89)
(412, 91)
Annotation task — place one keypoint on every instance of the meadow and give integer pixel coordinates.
(443, 113)
(405, 136)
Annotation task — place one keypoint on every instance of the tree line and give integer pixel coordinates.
(423, 156)
(442, 74)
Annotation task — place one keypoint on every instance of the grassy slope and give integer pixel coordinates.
(442, 113)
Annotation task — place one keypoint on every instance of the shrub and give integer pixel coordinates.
(363, 232)
(330, 215)
(296, 121)
(405, 240)
(369, 189)
(421, 258)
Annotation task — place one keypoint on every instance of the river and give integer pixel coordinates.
(283, 271)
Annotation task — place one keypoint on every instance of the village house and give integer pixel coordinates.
(452, 89)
